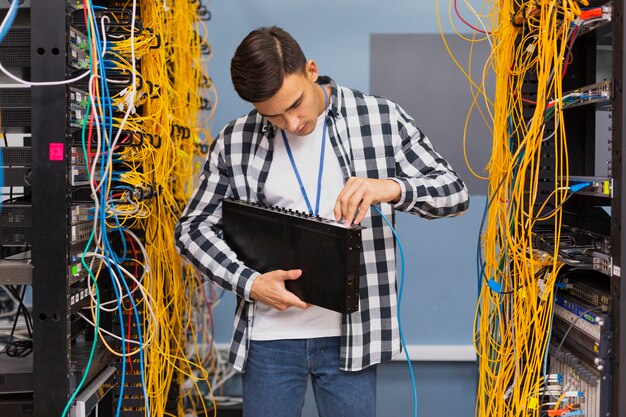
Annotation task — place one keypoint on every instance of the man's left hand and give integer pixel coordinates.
(359, 193)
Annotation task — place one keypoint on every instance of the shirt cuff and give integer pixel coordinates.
(405, 192)
(248, 287)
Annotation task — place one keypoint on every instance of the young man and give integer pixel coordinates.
(313, 146)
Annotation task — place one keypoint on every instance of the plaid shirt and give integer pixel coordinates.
(373, 138)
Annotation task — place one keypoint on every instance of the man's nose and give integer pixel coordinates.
(293, 123)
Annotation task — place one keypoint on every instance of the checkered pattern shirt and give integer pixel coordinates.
(373, 138)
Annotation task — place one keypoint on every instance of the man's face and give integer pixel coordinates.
(297, 104)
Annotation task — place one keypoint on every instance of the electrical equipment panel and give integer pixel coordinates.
(263, 237)
(102, 112)
(552, 243)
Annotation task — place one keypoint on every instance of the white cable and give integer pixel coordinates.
(116, 282)
(146, 268)
(15, 300)
(480, 20)
(227, 400)
(147, 297)
(92, 169)
(111, 207)
(95, 110)
(215, 301)
(222, 373)
(135, 342)
(16, 333)
(115, 81)
(42, 83)
(9, 313)
(120, 290)
(224, 379)
(96, 120)
(144, 252)
(104, 35)
(11, 85)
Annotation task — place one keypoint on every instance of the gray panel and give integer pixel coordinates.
(416, 71)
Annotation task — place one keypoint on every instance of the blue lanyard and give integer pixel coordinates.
(321, 169)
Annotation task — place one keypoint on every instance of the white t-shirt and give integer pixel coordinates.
(282, 189)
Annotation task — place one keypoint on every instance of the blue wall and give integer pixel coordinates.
(333, 33)
(440, 292)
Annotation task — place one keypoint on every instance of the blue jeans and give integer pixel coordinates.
(275, 380)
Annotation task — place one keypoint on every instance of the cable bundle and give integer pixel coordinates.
(139, 128)
(531, 45)
(175, 71)
(139, 140)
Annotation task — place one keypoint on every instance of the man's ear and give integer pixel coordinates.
(311, 70)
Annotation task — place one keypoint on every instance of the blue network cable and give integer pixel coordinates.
(106, 105)
(139, 331)
(9, 18)
(106, 101)
(94, 343)
(406, 352)
(102, 196)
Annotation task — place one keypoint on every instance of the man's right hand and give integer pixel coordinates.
(269, 288)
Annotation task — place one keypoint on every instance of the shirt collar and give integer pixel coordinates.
(333, 108)
(335, 98)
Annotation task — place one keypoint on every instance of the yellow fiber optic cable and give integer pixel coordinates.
(530, 40)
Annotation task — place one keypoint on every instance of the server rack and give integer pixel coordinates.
(598, 56)
(61, 345)
(618, 210)
(46, 44)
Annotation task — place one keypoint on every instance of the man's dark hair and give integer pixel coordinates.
(261, 62)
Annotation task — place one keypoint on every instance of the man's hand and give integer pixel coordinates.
(360, 193)
(269, 288)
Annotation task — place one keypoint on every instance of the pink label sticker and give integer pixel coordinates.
(57, 151)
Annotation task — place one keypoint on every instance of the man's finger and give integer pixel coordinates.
(292, 274)
(294, 301)
(355, 202)
(349, 199)
(363, 208)
(344, 194)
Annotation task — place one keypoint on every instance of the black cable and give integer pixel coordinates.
(571, 326)
(19, 348)
(27, 317)
(17, 315)
(582, 262)
(24, 198)
(539, 216)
